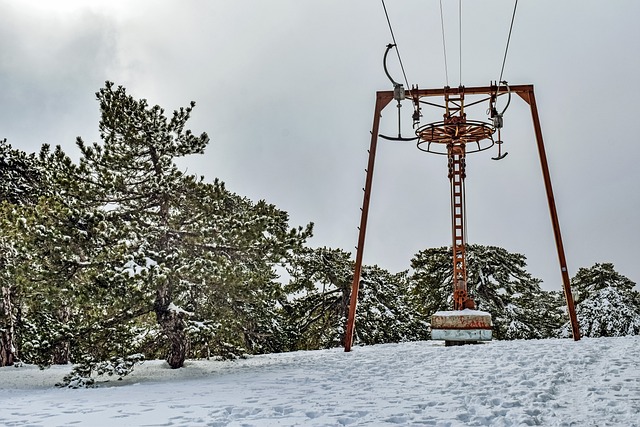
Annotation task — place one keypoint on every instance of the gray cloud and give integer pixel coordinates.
(49, 71)
(286, 90)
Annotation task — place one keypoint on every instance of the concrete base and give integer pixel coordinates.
(461, 334)
(461, 326)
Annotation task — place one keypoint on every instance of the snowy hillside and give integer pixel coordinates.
(594, 382)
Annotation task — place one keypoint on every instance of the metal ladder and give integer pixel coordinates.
(456, 157)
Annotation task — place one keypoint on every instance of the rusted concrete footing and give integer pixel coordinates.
(461, 326)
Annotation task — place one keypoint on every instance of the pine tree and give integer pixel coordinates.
(229, 277)
(63, 268)
(431, 281)
(384, 312)
(206, 254)
(124, 252)
(606, 303)
(8, 299)
(319, 302)
(497, 281)
(589, 281)
(20, 176)
(21, 184)
(133, 173)
(320, 291)
(72, 290)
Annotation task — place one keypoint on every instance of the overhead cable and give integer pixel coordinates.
(460, 35)
(444, 46)
(504, 59)
(393, 37)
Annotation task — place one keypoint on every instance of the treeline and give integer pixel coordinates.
(122, 256)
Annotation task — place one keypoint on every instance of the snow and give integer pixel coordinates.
(593, 382)
(175, 308)
(465, 312)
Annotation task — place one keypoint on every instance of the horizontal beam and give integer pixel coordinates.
(474, 90)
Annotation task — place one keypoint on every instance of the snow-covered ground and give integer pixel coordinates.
(593, 382)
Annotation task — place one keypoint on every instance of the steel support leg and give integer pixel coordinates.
(382, 101)
(530, 98)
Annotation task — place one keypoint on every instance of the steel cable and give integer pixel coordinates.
(504, 59)
(444, 46)
(393, 37)
(460, 35)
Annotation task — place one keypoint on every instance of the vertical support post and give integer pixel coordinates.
(531, 100)
(382, 100)
(457, 173)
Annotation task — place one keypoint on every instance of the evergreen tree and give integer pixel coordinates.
(319, 302)
(384, 312)
(97, 248)
(230, 284)
(8, 300)
(606, 303)
(133, 173)
(207, 255)
(588, 281)
(431, 281)
(497, 281)
(20, 176)
(320, 291)
(22, 183)
(68, 279)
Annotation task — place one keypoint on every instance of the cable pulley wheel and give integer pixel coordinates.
(479, 136)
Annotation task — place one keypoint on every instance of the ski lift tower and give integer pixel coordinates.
(454, 137)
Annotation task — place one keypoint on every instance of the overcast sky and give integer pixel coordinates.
(286, 91)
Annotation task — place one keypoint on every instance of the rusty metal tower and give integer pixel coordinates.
(456, 136)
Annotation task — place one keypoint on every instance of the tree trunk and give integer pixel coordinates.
(7, 327)
(172, 323)
(344, 305)
(62, 350)
(170, 318)
(173, 326)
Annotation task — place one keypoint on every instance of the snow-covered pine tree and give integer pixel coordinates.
(499, 284)
(229, 278)
(384, 313)
(204, 255)
(606, 303)
(320, 291)
(8, 298)
(65, 255)
(126, 234)
(132, 172)
(21, 184)
(430, 281)
(589, 281)
(20, 176)
(50, 275)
